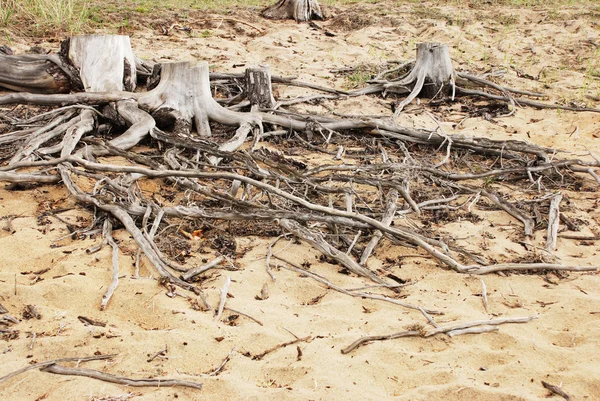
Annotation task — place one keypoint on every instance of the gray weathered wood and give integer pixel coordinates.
(433, 71)
(300, 10)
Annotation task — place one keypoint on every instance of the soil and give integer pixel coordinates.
(545, 49)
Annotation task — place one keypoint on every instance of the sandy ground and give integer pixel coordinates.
(40, 267)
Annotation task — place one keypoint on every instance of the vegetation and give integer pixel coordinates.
(59, 17)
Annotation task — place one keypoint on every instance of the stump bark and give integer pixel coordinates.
(299, 10)
(259, 90)
(431, 75)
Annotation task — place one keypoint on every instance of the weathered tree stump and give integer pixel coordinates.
(258, 87)
(105, 62)
(431, 75)
(183, 99)
(299, 10)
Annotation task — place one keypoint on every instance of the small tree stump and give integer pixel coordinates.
(299, 10)
(258, 87)
(432, 74)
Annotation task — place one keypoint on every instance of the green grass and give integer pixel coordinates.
(43, 16)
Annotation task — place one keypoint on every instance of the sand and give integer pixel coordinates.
(42, 266)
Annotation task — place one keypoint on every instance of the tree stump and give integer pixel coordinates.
(431, 75)
(258, 87)
(183, 99)
(105, 62)
(299, 10)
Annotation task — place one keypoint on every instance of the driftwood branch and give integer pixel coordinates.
(107, 377)
(438, 330)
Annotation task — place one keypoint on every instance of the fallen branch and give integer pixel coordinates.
(432, 332)
(107, 377)
(55, 361)
(294, 267)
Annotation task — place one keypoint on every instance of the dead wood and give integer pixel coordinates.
(294, 267)
(223, 298)
(432, 73)
(193, 272)
(258, 87)
(553, 221)
(388, 216)
(342, 208)
(115, 262)
(421, 332)
(299, 10)
(260, 356)
(318, 241)
(53, 362)
(35, 73)
(556, 390)
(107, 377)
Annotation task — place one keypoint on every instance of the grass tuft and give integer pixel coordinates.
(43, 17)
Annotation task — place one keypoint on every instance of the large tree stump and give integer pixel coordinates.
(431, 75)
(300, 10)
(183, 99)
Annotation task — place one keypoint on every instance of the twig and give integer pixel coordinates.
(484, 295)
(260, 356)
(388, 216)
(556, 390)
(429, 318)
(219, 311)
(201, 269)
(270, 253)
(115, 263)
(159, 353)
(244, 314)
(473, 330)
(87, 320)
(580, 237)
(107, 377)
(218, 369)
(55, 361)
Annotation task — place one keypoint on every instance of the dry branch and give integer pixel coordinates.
(201, 269)
(556, 390)
(438, 330)
(107, 377)
(115, 263)
(294, 267)
(53, 362)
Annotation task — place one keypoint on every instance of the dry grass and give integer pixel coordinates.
(43, 18)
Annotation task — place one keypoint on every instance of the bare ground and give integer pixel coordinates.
(548, 50)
